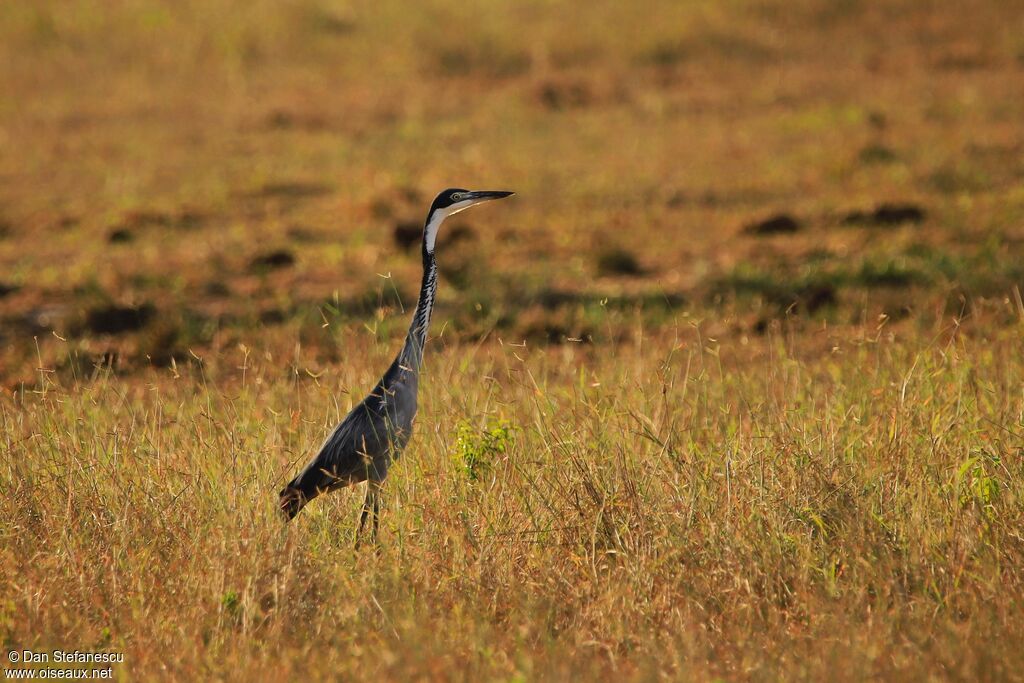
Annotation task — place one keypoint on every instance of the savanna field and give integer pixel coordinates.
(733, 388)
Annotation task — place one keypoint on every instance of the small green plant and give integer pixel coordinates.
(477, 448)
(231, 603)
(977, 487)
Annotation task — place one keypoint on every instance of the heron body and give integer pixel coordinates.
(374, 434)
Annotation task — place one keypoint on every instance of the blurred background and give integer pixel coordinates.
(182, 179)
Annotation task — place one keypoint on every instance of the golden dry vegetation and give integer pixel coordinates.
(733, 388)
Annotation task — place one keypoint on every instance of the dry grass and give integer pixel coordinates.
(678, 509)
(653, 443)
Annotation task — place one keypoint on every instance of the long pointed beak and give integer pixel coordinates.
(488, 195)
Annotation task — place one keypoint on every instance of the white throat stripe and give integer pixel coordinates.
(430, 234)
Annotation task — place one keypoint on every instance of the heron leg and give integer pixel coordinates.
(367, 505)
(376, 510)
(370, 504)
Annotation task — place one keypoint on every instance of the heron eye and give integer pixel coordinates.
(456, 196)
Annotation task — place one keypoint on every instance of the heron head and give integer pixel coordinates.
(452, 201)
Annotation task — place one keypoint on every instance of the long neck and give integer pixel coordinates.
(416, 340)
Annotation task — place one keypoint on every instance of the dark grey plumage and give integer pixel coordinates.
(365, 444)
